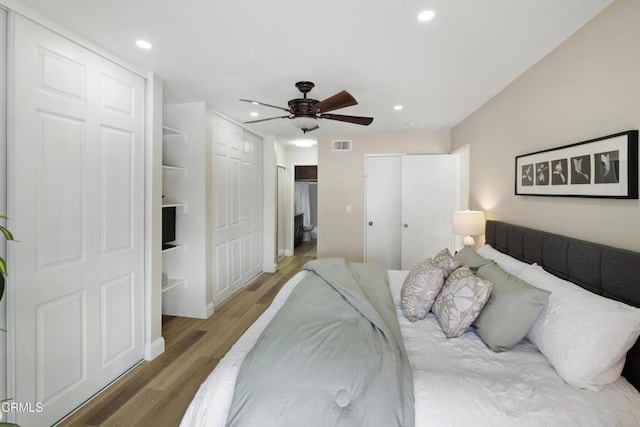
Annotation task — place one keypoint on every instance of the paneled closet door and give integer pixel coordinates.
(227, 222)
(251, 189)
(76, 158)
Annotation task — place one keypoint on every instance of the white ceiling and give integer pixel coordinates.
(220, 51)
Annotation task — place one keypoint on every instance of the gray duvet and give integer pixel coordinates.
(332, 356)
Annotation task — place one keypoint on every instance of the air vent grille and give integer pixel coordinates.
(341, 145)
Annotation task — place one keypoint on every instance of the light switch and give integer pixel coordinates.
(348, 208)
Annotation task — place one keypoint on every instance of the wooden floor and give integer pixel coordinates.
(306, 248)
(157, 393)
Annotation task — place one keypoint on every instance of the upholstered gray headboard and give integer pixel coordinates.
(607, 271)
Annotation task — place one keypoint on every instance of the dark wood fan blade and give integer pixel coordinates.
(270, 118)
(365, 121)
(339, 100)
(265, 105)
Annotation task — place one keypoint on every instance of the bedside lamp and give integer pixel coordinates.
(468, 224)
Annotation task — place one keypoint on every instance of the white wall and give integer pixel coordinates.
(588, 87)
(270, 154)
(154, 342)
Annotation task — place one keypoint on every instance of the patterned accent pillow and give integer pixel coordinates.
(446, 262)
(420, 289)
(460, 301)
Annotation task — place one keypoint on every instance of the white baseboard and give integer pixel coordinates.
(155, 349)
(185, 311)
(288, 252)
(270, 268)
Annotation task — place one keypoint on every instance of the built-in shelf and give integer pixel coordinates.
(168, 202)
(175, 170)
(173, 248)
(173, 135)
(172, 283)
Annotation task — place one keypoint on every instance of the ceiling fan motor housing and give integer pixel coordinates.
(303, 107)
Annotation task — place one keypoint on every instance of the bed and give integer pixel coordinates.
(460, 381)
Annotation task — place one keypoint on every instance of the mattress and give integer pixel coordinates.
(457, 382)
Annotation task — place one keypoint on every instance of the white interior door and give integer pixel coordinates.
(426, 206)
(383, 210)
(227, 222)
(251, 190)
(76, 205)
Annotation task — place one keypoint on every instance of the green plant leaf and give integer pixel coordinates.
(3, 267)
(7, 233)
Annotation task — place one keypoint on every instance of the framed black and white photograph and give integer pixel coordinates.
(601, 167)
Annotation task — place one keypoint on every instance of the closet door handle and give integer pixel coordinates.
(406, 225)
(370, 222)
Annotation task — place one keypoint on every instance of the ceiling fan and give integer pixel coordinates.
(304, 112)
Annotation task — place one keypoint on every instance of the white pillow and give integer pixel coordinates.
(508, 263)
(584, 336)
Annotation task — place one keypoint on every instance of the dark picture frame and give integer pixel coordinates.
(605, 167)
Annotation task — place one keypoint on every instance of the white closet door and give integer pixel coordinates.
(251, 190)
(227, 224)
(383, 214)
(426, 207)
(76, 205)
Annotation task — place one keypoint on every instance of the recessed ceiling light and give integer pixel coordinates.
(253, 114)
(143, 44)
(397, 107)
(426, 15)
(304, 143)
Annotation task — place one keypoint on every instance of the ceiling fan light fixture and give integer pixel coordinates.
(304, 143)
(304, 122)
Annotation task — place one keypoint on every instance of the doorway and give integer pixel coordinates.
(281, 224)
(305, 208)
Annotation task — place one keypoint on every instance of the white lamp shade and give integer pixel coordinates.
(303, 122)
(468, 223)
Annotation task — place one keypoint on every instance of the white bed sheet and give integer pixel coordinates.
(457, 382)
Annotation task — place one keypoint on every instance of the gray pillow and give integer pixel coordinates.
(419, 290)
(470, 258)
(512, 309)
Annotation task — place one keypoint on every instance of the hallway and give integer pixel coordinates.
(306, 248)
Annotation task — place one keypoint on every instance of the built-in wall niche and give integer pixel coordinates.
(174, 175)
(306, 173)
